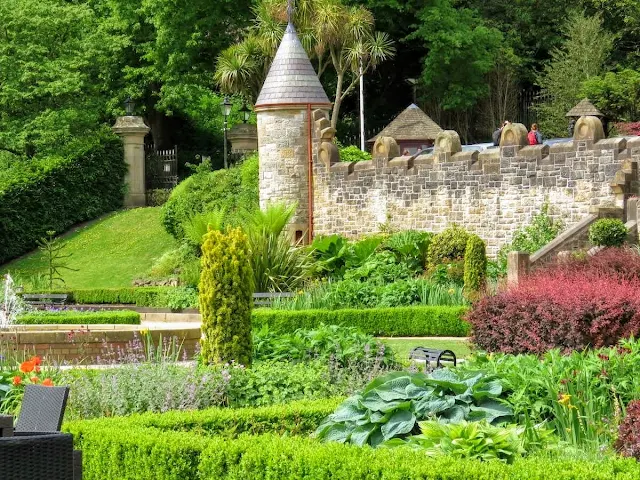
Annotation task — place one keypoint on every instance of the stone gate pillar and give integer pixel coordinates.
(132, 130)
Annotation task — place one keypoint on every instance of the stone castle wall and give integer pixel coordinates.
(492, 193)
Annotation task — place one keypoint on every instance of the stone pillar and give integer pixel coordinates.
(517, 267)
(132, 130)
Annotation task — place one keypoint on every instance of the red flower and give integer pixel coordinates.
(36, 360)
(35, 379)
(603, 357)
(27, 367)
(17, 380)
(47, 382)
(37, 369)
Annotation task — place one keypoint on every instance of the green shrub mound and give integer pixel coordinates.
(71, 317)
(230, 190)
(608, 232)
(392, 322)
(447, 246)
(55, 193)
(226, 298)
(158, 297)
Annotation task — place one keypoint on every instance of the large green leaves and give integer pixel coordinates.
(391, 405)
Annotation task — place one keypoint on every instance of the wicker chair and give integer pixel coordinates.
(42, 412)
(37, 457)
(42, 409)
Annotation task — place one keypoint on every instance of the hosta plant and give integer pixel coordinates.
(479, 440)
(392, 405)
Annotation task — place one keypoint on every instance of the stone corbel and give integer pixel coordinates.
(385, 148)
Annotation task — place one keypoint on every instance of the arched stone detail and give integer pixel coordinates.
(514, 135)
(588, 128)
(385, 147)
(448, 141)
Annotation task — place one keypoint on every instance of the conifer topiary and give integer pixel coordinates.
(475, 266)
(447, 246)
(226, 297)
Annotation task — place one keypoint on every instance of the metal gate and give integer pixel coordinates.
(161, 168)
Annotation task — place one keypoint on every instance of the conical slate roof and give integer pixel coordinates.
(411, 124)
(584, 107)
(291, 79)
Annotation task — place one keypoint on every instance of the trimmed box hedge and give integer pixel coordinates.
(74, 317)
(420, 321)
(197, 445)
(139, 296)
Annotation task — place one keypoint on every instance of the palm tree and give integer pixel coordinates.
(336, 36)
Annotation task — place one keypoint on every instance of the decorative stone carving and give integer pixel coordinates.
(514, 135)
(448, 141)
(588, 128)
(385, 147)
(243, 137)
(328, 154)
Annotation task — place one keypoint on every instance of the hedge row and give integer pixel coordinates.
(120, 452)
(55, 193)
(70, 317)
(294, 418)
(139, 296)
(399, 321)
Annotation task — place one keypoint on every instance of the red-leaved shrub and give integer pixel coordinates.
(571, 305)
(628, 443)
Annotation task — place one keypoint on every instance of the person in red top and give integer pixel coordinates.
(534, 135)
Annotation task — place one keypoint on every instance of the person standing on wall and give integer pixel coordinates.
(534, 136)
(498, 134)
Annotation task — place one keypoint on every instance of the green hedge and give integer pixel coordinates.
(139, 296)
(70, 317)
(123, 449)
(399, 321)
(55, 193)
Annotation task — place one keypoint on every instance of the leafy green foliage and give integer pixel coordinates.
(390, 406)
(531, 238)
(344, 345)
(231, 190)
(353, 154)
(579, 395)
(582, 56)
(331, 254)
(615, 94)
(447, 246)
(608, 232)
(401, 321)
(197, 226)
(55, 192)
(478, 440)
(410, 247)
(226, 289)
(475, 266)
(74, 317)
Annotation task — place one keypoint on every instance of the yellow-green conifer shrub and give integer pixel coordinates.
(475, 267)
(226, 297)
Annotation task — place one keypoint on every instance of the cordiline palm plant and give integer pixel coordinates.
(335, 35)
(277, 264)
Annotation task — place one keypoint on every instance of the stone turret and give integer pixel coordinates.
(291, 92)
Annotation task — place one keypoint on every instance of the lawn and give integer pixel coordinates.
(110, 252)
(403, 346)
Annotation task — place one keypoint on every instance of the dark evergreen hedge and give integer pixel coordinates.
(55, 193)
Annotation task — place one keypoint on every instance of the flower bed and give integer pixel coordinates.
(75, 317)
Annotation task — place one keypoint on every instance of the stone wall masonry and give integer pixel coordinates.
(492, 193)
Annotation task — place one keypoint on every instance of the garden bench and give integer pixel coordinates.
(266, 299)
(429, 355)
(45, 298)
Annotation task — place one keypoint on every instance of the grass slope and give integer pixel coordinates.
(110, 252)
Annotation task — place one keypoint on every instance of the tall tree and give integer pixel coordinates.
(339, 38)
(582, 56)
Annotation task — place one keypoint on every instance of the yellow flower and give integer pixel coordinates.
(565, 399)
(144, 332)
(451, 291)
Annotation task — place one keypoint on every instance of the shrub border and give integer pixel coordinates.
(70, 317)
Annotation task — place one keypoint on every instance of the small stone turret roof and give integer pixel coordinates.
(583, 108)
(411, 124)
(292, 79)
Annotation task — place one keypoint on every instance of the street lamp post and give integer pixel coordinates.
(129, 106)
(246, 113)
(225, 106)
